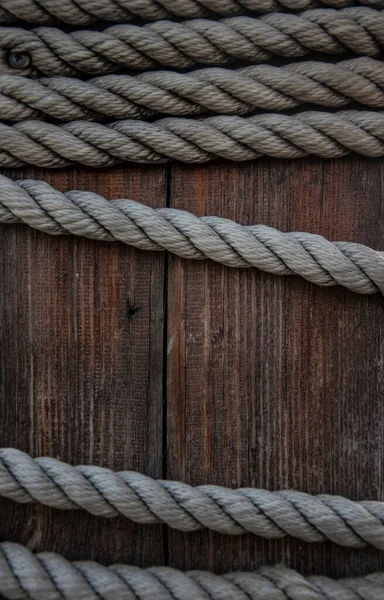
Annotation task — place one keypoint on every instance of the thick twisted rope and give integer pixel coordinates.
(141, 499)
(208, 90)
(84, 12)
(192, 141)
(196, 42)
(49, 576)
(83, 213)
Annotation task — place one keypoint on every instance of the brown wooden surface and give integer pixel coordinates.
(222, 376)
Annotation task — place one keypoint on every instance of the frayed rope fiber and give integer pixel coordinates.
(143, 500)
(215, 90)
(325, 263)
(51, 51)
(192, 141)
(48, 576)
(85, 12)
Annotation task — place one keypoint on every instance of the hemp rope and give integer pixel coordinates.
(143, 500)
(192, 141)
(196, 42)
(207, 90)
(84, 12)
(48, 576)
(325, 263)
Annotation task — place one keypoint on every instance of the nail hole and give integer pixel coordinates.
(19, 60)
(133, 311)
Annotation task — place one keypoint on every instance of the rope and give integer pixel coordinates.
(208, 90)
(192, 141)
(143, 500)
(49, 576)
(84, 213)
(84, 12)
(196, 42)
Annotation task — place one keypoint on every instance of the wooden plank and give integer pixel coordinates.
(82, 369)
(274, 382)
(271, 382)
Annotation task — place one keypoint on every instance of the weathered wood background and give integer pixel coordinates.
(194, 371)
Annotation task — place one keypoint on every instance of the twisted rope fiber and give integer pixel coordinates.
(208, 90)
(48, 576)
(84, 213)
(192, 141)
(141, 499)
(85, 12)
(197, 42)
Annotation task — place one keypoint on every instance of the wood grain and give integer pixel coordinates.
(82, 377)
(274, 382)
(232, 377)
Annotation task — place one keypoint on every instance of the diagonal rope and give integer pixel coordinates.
(322, 262)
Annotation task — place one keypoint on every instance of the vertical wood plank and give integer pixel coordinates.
(274, 382)
(81, 355)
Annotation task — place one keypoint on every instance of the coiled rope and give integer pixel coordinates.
(48, 576)
(197, 42)
(85, 12)
(141, 499)
(83, 213)
(192, 141)
(207, 90)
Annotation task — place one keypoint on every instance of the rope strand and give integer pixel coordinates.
(213, 90)
(196, 42)
(83, 213)
(192, 141)
(85, 12)
(143, 500)
(49, 576)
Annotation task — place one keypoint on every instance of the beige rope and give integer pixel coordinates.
(207, 90)
(48, 576)
(83, 213)
(196, 42)
(105, 493)
(192, 141)
(84, 12)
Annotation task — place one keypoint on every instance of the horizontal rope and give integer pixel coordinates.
(84, 213)
(215, 90)
(143, 500)
(49, 576)
(193, 43)
(192, 141)
(84, 12)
